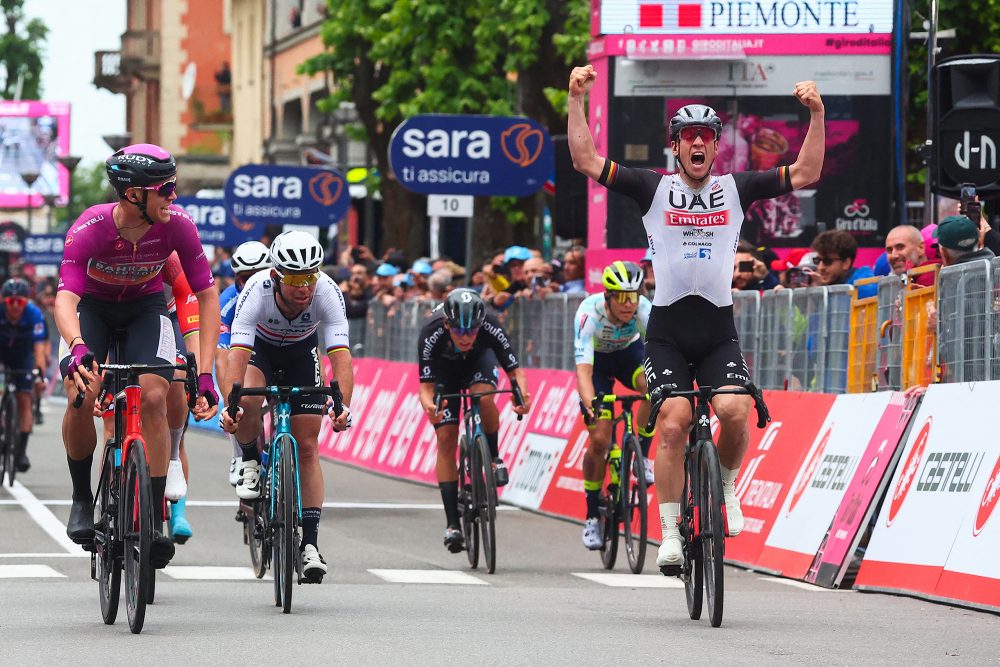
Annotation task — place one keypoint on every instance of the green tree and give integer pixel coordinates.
(21, 50)
(398, 58)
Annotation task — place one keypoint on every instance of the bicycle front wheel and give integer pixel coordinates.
(109, 566)
(487, 483)
(713, 531)
(692, 574)
(634, 503)
(467, 502)
(10, 434)
(137, 510)
(287, 522)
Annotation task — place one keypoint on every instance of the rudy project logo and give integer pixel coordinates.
(522, 144)
(910, 469)
(326, 188)
(809, 470)
(991, 495)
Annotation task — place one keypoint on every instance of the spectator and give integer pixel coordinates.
(796, 270)
(836, 251)
(930, 243)
(355, 254)
(507, 278)
(438, 285)
(358, 292)
(958, 241)
(457, 273)
(573, 271)
(648, 280)
(749, 272)
(223, 81)
(420, 270)
(905, 250)
(538, 275)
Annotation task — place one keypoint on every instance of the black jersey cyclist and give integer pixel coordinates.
(458, 349)
(693, 220)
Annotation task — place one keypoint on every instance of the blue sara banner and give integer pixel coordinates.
(471, 155)
(282, 194)
(215, 225)
(43, 249)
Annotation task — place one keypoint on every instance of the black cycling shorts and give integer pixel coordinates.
(299, 364)
(20, 358)
(455, 375)
(147, 334)
(623, 365)
(179, 339)
(693, 334)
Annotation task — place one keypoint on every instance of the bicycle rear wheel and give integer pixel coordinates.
(253, 535)
(712, 530)
(109, 566)
(10, 423)
(286, 522)
(692, 573)
(467, 502)
(487, 506)
(634, 501)
(137, 508)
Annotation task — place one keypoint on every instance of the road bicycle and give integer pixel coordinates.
(10, 422)
(702, 521)
(273, 521)
(477, 485)
(123, 532)
(625, 500)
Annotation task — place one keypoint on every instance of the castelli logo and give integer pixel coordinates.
(119, 245)
(910, 469)
(810, 470)
(991, 495)
(69, 242)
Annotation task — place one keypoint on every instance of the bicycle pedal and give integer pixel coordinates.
(671, 570)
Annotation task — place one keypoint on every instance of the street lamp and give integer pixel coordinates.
(29, 177)
(69, 162)
(50, 204)
(117, 141)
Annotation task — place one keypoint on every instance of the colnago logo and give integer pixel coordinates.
(802, 483)
(991, 495)
(688, 219)
(909, 471)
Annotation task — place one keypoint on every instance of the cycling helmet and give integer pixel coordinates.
(296, 251)
(251, 256)
(622, 277)
(695, 115)
(464, 308)
(139, 165)
(15, 287)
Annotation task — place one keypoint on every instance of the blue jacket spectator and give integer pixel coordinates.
(836, 251)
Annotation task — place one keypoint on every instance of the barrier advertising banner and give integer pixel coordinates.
(944, 478)
(821, 483)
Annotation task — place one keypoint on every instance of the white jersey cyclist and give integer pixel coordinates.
(593, 330)
(257, 314)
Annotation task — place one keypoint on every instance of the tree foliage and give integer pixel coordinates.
(398, 58)
(21, 50)
(90, 187)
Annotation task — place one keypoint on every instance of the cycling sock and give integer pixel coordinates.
(175, 443)
(79, 472)
(593, 504)
(310, 525)
(249, 451)
(449, 496)
(729, 477)
(493, 440)
(668, 519)
(158, 484)
(237, 450)
(22, 443)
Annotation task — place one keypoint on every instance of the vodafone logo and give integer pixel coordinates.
(810, 470)
(991, 495)
(910, 469)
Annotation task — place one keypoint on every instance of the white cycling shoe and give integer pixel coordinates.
(592, 534)
(734, 513)
(176, 486)
(648, 463)
(671, 551)
(248, 488)
(234, 470)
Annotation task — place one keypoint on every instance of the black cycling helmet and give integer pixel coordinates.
(464, 309)
(15, 287)
(139, 165)
(695, 115)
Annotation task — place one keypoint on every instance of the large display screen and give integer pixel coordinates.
(32, 136)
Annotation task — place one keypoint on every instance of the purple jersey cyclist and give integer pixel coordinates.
(110, 281)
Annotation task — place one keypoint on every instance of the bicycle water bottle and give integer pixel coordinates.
(615, 459)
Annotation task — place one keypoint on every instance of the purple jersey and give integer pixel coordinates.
(99, 263)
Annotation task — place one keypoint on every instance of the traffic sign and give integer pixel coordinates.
(471, 155)
(283, 194)
(450, 206)
(216, 225)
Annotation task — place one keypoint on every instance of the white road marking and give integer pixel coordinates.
(428, 577)
(210, 572)
(80, 554)
(43, 516)
(29, 572)
(804, 586)
(630, 580)
(327, 505)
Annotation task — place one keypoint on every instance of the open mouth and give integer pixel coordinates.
(697, 158)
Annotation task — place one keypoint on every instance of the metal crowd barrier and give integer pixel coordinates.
(746, 313)
(919, 337)
(964, 322)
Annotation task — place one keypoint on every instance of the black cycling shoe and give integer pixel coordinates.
(80, 527)
(500, 472)
(23, 463)
(453, 540)
(162, 550)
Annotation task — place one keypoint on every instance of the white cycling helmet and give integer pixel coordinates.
(296, 251)
(250, 256)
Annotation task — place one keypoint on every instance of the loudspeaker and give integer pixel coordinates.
(569, 214)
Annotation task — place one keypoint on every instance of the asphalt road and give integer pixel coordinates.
(537, 608)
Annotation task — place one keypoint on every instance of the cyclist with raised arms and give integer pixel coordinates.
(608, 331)
(248, 258)
(278, 314)
(111, 279)
(692, 316)
(23, 339)
(458, 349)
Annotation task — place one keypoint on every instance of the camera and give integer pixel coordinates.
(969, 207)
(745, 266)
(356, 254)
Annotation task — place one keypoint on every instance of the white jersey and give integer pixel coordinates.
(593, 330)
(257, 314)
(693, 233)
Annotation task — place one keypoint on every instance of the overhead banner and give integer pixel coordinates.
(216, 226)
(43, 249)
(271, 194)
(434, 154)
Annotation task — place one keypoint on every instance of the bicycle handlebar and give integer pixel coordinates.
(626, 399)
(515, 391)
(658, 396)
(238, 391)
(112, 371)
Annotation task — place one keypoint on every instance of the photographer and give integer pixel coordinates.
(358, 292)
(506, 278)
(538, 275)
(749, 272)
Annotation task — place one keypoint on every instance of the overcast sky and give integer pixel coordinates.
(78, 28)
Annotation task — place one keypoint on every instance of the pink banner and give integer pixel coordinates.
(665, 47)
(32, 136)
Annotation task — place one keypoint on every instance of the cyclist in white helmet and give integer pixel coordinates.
(278, 315)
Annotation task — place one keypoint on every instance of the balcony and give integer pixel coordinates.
(140, 54)
(108, 73)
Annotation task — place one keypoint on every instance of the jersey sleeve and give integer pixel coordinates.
(639, 184)
(228, 313)
(642, 315)
(498, 340)
(583, 335)
(76, 255)
(335, 328)
(248, 313)
(428, 341)
(755, 185)
(188, 314)
(190, 251)
(39, 330)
